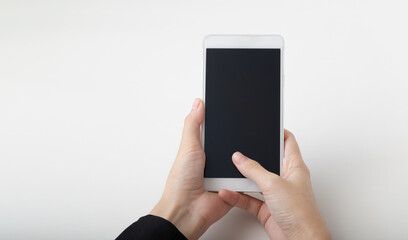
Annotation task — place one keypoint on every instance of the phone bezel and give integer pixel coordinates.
(242, 41)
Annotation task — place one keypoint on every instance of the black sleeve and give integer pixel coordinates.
(151, 227)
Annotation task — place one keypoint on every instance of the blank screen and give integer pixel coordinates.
(242, 109)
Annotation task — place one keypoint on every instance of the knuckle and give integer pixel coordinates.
(189, 148)
(244, 203)
(187, 119)
(235, 199)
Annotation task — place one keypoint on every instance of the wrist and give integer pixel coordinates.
(313, 228)
(319, 232)
(189, 224)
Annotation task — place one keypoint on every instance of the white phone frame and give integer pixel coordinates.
(242, 41)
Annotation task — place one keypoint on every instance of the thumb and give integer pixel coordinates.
(192, 126)
(254, 171)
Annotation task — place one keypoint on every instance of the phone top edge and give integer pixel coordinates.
(243, 41)
(243, 35)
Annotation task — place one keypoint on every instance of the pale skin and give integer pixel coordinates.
(288, 212)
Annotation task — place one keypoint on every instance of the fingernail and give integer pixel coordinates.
(196, 104)
(238, 157)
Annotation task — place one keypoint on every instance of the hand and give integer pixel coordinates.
(290, 210)
(185, 203)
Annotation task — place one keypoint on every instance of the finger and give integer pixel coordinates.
(291, 146)
(254, 171)
(192, 130)
(250, 204)
(243, 201)
(292, 153)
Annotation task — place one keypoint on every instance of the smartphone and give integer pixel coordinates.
(243, 93)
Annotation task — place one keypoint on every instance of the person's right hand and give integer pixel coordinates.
(290, 210)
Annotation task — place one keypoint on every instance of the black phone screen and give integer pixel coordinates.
(242, 109)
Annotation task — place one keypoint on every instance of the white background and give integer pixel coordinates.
(93, 95)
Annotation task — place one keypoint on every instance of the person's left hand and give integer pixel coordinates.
(184, 202)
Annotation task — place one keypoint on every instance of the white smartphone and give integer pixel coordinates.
(243, 94)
